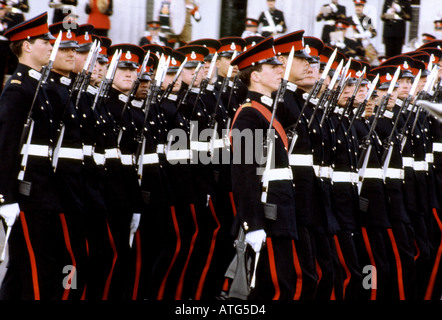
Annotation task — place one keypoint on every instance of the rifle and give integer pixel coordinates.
(26, 135)
(329, 107)
(184, 97)
(172, 84)
(361, 108)
(379, 112)
(107, 82)
(131, 95)
(153, 93)
(351, 100)
(423, 94)
(204, 83)
(292, 135)
(326, 94)
(81, 80)
(388, 145)
(239, 270)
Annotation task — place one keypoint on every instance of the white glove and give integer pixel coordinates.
(134, 224)
(256, 239)
(279, 28)
(9, 212)
(396, 7)
(333, 7)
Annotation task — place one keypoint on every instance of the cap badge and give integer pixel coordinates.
(86, 35)
(432, 58)
(173, 61)
(307, 49)
(233, 46)
(193, 55)
(389, 77)
(128, 55)
(69, 34)
(406, 66)
(359, 73)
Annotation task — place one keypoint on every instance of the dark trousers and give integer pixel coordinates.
(393, 46)
(39, 262)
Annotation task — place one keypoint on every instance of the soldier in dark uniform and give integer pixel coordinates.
(196, 110)
(309, 219)
(171, 267)
(36, 245)
(275, 272)
(330, 13)
(123, 193)
(345, 193)
(68, 151)
(218, 262)
(323, 149)
(400, 235)
(395, 14)
(272, 20)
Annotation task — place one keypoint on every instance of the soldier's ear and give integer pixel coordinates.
(26, 47)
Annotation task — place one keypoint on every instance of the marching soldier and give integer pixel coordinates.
(221, 160)
(28, 183)
(123, 193)
(265, 215)
(344, 190)
(399, 236)
(309, 219)
(68, 151)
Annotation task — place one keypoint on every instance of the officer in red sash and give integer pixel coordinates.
(263, 190)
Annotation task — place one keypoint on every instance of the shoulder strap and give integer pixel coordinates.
(268, 115)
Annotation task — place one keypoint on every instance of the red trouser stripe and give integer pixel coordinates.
(67, 241)
(272, 266)
(177, 250)
(31, 256)
(114, 261)
(137, 265)
(371, 257)
(343, 264)
(431, 281)
(298, 271)
(210, 255)
(179, 290)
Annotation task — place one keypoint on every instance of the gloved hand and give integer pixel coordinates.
(279, 28)
(9, 212)
(134, 224)
(255, 239)
(396, 7)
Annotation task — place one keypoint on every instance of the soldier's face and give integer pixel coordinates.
(268, 79)
(360, 95)
(124, 77)
(310, 78)
(40, 51)
(168, 80)
(80, 59)
(404, 87)
(143, 89)
(271, 4)
(223, 64)
(346, 94)
(370, 107)
(65, 60)
(189, 73)
(299, 68)
(391, 101)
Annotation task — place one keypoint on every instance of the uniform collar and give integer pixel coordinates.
(259, 97)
